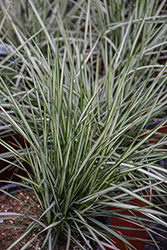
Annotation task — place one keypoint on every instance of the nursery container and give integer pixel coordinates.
(10, 173)
(158, 134)
(6, 50)
(128, 228)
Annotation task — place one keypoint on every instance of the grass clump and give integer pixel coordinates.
(80, 97)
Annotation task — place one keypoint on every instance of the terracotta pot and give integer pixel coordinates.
(9, 174)
(129, 229)
(156, 136)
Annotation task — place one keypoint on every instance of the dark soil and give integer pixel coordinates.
(8, 236)
(8, 204)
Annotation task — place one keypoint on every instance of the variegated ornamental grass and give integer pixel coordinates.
(78, 94)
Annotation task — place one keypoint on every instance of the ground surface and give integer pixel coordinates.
(7, 204)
